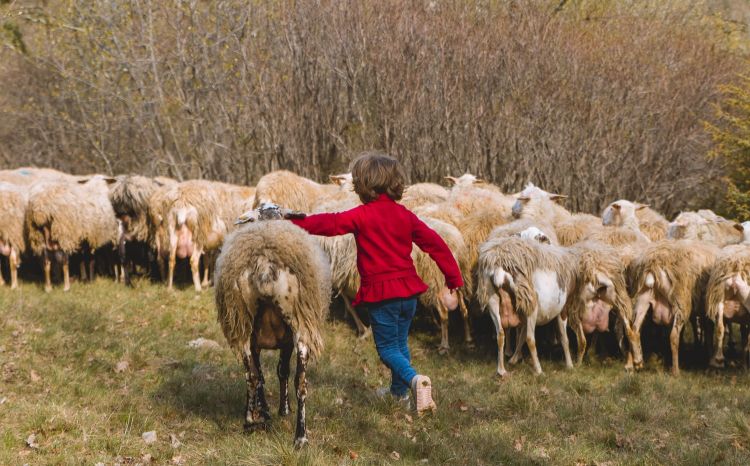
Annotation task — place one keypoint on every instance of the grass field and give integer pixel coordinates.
(60, 381)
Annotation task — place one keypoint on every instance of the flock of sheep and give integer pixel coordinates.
(525, 259)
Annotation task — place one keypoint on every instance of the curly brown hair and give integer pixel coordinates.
(376, 173)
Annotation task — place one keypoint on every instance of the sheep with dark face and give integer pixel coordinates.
(273, 289)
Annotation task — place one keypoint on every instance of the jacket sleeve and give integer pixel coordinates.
(329, 224)
(431, 243)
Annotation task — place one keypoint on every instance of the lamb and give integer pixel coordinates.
(706, 226)
(13, 200)
(438, 297)
(421, 194)
(539, 280)
(63, 217)
(669, 278)
(295, 192)
(537, 204)
(273, 292)
(728, 294)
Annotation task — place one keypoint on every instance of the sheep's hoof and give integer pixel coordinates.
(503, 374)
(443, 350)
(251, 427)
(300, 442)
(48, 289)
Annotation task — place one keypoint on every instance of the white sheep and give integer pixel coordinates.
(273, 292)
(13, 200)
(706, 226)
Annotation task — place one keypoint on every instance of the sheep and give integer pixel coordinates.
(129, 196)
(26, 176)
(272, 292)
(706, 226)
(535, 203)
(437, 297)
(669, 278)
(470, 196)
(538, 278)
(652, 223)
(62, 217)
(298, 193)
(600, 288)
(728, 293)
(526, 228)
(421, 194)
(13, 200)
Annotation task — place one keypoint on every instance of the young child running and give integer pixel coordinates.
(384, 231)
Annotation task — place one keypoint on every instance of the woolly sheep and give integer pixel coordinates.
(537, 204)
(62, 217)
(705, 225)
(437, 297)
(13, 200)
(728, 294)
(295, 192)
(669, 278)
(273, 292)
(421, 194)
(539, 280)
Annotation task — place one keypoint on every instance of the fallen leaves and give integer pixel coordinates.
(353, 455)
(395, 455)
(34, 376)
(121, 366)
(31, 442)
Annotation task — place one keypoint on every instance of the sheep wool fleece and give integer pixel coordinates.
(384, 231)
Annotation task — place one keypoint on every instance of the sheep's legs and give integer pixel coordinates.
(581, 337)
(13, 261)
(253, 418)
(674, 341)
(172, 262)
(300, 384)
(66, 272)
(443, 313)
(362, 330)
(642, 303)
(47, 271)
(282, 370)
(520, 340)
(122, 253)
(260, 389)
(717, 360)
(465, 315)
(195, 261)
(562, 325)
(494, 307)
(531, 341)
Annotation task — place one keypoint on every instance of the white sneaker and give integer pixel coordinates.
(421, 386)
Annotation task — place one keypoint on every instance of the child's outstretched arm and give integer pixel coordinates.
(431, 243)
(329, 224)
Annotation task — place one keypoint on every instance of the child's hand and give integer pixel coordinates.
(449, 298)
(294, 214)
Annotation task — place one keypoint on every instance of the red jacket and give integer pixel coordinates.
(384, 231)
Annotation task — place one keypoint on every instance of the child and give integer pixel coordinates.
(384, 232)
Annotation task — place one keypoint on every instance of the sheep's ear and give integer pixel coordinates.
(616, 206)
(109, 180)
(480, 181)
(523, 198)
(739, 227)
(336, 179)
(558, 197)
(641, 206)
(84, 180)
(451, 180)
(158, 183)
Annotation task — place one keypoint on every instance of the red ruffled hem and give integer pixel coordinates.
(402, 287)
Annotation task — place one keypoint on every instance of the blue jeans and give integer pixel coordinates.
(390, 321)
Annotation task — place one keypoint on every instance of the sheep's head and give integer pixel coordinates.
(621, 212)
(531, 195)
(534, 233)
(467, 179)
(267, 211)
(687, 225)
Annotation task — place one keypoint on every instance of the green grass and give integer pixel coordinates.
(83, 412)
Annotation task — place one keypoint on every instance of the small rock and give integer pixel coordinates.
(3, 400)
(31, 441)
(395, 456)
(424, 461)
(121, 366)
(174, 441)
(149, 437)
(203, 343)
